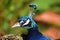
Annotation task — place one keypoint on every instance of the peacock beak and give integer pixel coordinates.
(16, 25)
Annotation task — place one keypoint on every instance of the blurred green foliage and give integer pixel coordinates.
(18, 30)
(10, 10)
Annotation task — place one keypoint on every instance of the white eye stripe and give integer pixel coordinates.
(26, 22)
(21, 21)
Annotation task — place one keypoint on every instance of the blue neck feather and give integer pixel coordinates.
(33, 34)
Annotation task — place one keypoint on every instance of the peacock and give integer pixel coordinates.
(28, 23)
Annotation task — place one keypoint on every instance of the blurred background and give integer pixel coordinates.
(47, 17)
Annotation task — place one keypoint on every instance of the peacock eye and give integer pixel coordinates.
(25, 20)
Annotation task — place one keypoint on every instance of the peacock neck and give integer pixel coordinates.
(34, 33)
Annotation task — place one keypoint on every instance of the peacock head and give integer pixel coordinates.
(25, 22)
